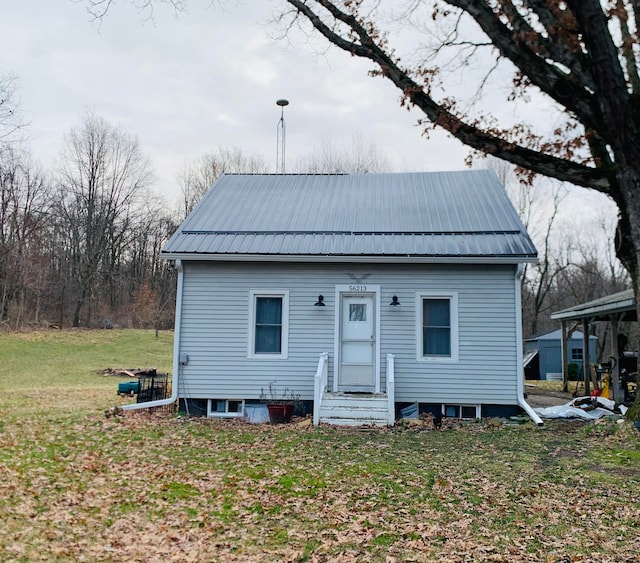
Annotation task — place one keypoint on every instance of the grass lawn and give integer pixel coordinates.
(77, 486)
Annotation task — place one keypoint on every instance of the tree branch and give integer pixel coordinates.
(611, 87)
(555, 47)
(628, 41)
(469, 134)
(636, 12)
(561, 87)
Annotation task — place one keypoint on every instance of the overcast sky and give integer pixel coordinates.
(189, 83)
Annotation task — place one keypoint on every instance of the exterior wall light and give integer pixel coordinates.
(394, 301)
(320, 301)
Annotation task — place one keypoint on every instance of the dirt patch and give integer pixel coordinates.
(540, 397)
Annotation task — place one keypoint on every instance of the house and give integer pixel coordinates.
(362, 294)
(543, 354)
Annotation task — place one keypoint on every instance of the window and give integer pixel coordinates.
(357, 312)
(576, 354)
(224, 408)
(437, 327)
(268, 325)
(268, 331)
(461, 411)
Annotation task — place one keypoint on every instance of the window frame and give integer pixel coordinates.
(284, 336)
(226, 413)
(452, 297)
(460, 407)
(574, 353)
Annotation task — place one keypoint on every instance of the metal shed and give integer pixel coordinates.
(543, 354)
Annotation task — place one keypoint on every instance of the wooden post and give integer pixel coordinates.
(618, 393)
(586, 367)
(565, 357)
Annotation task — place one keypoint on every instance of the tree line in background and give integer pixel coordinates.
(80, 244)
(577, 261)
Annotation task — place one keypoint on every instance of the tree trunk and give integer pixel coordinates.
(76, 314)
(61, 306)
(79, 304)
(628, 235)
(4, 304)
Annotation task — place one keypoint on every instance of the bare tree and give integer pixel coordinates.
(196, 177)
(538, 206)
(148, 279)
(11, 120)
(103, 172)
(573, 268)
(98, 8)
(540, 279)
(24, 206)
(361, 157)
(580, 56)
(593, 272)
(94, 243)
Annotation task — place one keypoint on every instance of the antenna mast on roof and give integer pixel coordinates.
(280, 138)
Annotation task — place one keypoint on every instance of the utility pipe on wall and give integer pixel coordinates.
(176, 352)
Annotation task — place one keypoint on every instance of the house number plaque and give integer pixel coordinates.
(358, 288)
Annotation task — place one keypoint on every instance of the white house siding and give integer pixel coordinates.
(215, 325)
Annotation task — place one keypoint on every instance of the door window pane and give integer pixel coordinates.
(357, 312)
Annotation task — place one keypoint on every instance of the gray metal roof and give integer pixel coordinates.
(622, 303)
(435, 215)
(557, 335)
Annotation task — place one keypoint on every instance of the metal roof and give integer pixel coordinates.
(622, 302)
(435, 215)
(557, 335)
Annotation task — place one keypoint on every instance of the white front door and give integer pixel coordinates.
(357, 370)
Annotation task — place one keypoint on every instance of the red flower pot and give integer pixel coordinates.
(280, 413)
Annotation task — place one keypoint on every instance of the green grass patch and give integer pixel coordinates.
(79, 486)
(45, 371)
(616, 457)
(68, 359)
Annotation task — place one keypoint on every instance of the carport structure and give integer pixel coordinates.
(613, 309)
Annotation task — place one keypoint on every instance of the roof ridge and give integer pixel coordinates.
(359, 233)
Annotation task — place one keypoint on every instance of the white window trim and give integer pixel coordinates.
(284, 349)
(460, 406)
(226, 414)
(453, 301)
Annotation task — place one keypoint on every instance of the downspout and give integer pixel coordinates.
(519, 367)
(176, 352)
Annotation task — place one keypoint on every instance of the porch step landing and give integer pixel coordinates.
(346, 409)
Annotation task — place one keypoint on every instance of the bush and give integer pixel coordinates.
(573, 373)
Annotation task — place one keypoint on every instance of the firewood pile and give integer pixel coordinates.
(127, 372)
